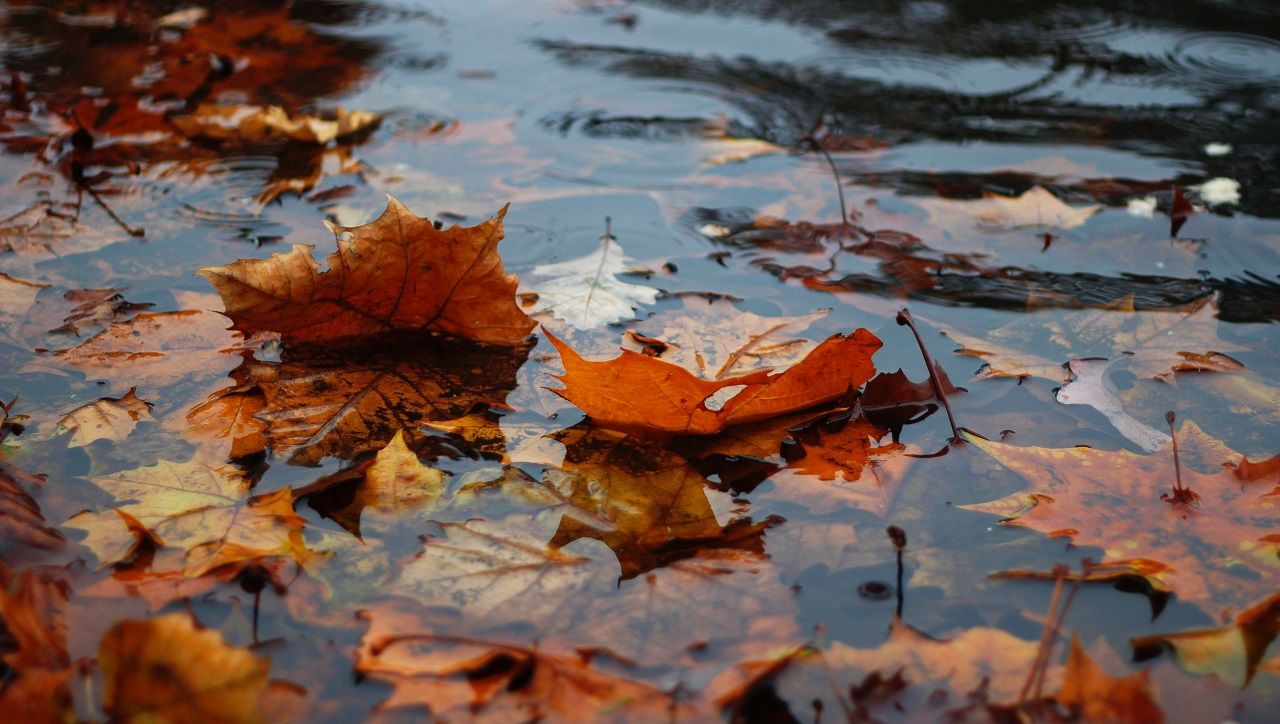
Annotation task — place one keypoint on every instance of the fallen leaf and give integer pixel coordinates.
(226, 422)
(82, 311)
(109, 418)
(264, 124)
(196, 507)
(1035, 207)
(1155, 343)
(165, 669)
(453, 677)
(1091, 385)
(396, 274)
(839, 465)
(1222, 551)
(16, 297)
(396, 485)
(586, 292)
(603, 390)
(324, 402)
(37, 666)
(1232, 653)
(713, 338)
(1091, 695)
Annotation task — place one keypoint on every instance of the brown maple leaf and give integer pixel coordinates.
(396, 274)
(1221, 551)
(677, 402)
(394, 486)
(109, 418)
(841, 464)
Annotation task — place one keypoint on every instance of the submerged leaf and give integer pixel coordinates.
(586, 292)
(110, 418)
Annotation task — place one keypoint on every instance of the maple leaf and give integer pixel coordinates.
(678, 403)
(227, 422)
(165, 669)
(396, 274)
(197, 507)
(459, 677)
(841, 464)
(319, 402)
(258, 124)
(1232, 653)
(1222, 551)
(586, 292)
(108, 418)
(1155, 343)
(1091, 695)
(1035, 207)
(715, 339)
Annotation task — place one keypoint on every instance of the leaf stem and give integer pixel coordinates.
(904, 319)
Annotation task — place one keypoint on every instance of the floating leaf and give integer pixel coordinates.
(110, 418)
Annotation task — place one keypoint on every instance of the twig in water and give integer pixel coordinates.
(904, 319)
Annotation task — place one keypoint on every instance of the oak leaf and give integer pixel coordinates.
(109, 418)
(1232, 653)
(586, 292)
(606, 391)
(202, 509)
(1156, 343)
(165, 669)
(396, 274)
(1222, 551)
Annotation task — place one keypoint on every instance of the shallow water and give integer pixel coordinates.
(574, 112)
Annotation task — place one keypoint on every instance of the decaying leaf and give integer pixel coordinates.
(841, 464)
(226, 423)
(586, 292)
(165, 669)
(396, 274)
(37, 666)
(1156, 343)
(22, 526)
(320, 402)
(110, 418)
(259, 124)
(193, 506)
(1219, 552)
(1232, 653)
(455, 677)
(603, 390)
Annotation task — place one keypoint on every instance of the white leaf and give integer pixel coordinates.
(586, 292)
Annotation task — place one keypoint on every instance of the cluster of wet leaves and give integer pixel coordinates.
(615, 515)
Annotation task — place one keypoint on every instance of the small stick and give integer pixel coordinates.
(136, 233)
(1059, 577)
(899, 538)
(1181, 494)
(904, 319)
(813, 143)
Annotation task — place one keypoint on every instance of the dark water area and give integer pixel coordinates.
(1009, 171)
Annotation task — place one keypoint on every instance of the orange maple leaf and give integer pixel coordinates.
(397, 273)
(636, 392)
